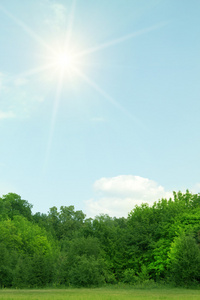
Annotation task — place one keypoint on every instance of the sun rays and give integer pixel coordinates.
(63, 56)
(118, 40)
(64, 59)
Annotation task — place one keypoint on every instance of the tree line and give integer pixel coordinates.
(158, 243)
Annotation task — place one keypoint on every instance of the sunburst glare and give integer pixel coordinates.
(63, 59)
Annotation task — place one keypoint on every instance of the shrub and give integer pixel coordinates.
(87, 271)
(185, 260)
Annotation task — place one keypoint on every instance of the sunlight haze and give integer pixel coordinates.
(99, 102)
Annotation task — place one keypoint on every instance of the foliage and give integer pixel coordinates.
(185, 260)
(86, 271)
(5, 267)
(24, 236)
(12, 205)
(63, 248)
(130, 276)
(85, 263)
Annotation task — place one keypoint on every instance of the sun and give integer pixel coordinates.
(62, 60)
(60, 57)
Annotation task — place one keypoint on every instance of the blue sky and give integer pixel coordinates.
(99, 102)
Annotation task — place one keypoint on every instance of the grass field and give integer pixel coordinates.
(100, 293)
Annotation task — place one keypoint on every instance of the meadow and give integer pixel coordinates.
(99, 293)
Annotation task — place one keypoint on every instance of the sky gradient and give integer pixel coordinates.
(115, 125)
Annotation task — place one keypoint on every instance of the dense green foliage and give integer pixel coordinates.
(63, 247)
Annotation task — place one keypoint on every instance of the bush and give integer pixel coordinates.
(32, 271)
(86, 272)
(6, 273)
(130, 277)
(185, 261)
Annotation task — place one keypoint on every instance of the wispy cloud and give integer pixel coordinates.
(6, 115)
(20, 81)
(59, 11)
(117, 196)
(56, 17)
(18, 96)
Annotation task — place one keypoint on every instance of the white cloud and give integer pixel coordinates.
(6, 115)
(117, 196)
(196, 188)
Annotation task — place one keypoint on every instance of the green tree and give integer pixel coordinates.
(33, 271)
(84, 262)
(87, 271)
(185, 260)
(6, 273)
(12, 205)
(22, 273)
(71, 221)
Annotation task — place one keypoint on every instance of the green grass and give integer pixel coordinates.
(100, 293)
